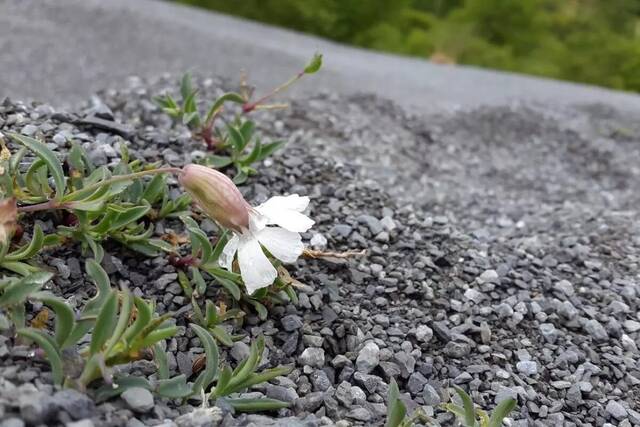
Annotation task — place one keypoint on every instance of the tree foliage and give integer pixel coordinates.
(589, 41)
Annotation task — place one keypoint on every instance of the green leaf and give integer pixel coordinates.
(257, 405)
(201, 286)
(185, 284)
(469, 407)
(218, 161)
(501, 411)
(230, 286)
(259, 378)
(28, 251)
(314, 65)
(246, 129)
(42, 151)
(186, 88)
(160, 357)
(174, 388)
(119, 216)
(102, 282)
(268, 149)
(396, 410)
(210, 371)
(105, 323)
(249, 365)
(253, 156)
(221, 335)
(158, 335)
(240, 177)
(237, 140)
(229, 96)
(126, 306)
(143, 317)
(223, 381)
(96, 248)
(199, 240)
(18, 291)
(260, 309)
(65, 317)
(53, 355)
(154, 190)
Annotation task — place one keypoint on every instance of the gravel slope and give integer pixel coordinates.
(61, 50)
(502, 257)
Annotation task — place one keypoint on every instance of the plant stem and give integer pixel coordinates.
(57, 204)
(250, 106)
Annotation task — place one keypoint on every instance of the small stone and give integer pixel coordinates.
(343, 394)
(360, 414)
(488, 276)
(368, 358)
(457, 350)
(631, 326)
(76, 404)
(616, 410)
(12, 422)
(341, 230)
(527, 367)
(596, 330)
(201, 417)
(473, 295)
(549, 332)
(388, 223)
(424, 333)
(416, 383)
(565, 287)
(29, 130)
(313, 357)
(318, 241)
(138, 399)
(82, 423)
(430, 395)
(291, 322)
(285, 394)
(373, 223)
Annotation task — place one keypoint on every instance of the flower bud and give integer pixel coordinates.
(8, 215)
(216, 195)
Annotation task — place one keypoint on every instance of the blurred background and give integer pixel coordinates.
(586, 41)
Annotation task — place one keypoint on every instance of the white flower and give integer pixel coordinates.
(276, 225)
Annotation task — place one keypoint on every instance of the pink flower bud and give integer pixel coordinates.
(216, 195)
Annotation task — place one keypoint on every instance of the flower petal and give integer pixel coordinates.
(283, 244)
(255, 268)
(291, 202)
(283, 213)
(229, 251)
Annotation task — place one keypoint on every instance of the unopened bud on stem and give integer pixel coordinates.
(216, 195)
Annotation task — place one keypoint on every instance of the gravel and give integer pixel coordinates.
(507, 263)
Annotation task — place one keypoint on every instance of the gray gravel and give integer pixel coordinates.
(61, 50)
(510, 269)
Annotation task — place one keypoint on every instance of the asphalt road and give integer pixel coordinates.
(60, 51)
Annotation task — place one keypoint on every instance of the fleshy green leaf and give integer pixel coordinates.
(221, 335)
(396, 409)
(65, 318)
(18, 291)
(237, 140)
(174, 388)
(268, 149)
(160, 357)
(47, 344)
(105, 323)
(501, 411)
(257, 405)
(210, 371)
(29, 250)
(229, 96)
(314, 65)
(469, 407)
(48, 156)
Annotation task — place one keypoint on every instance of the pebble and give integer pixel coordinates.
(527, 367)
(616, 410)
(138, 399)
(313, 357)
(368, 358)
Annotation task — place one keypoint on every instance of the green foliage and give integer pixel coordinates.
(593, 42)
(470, 416)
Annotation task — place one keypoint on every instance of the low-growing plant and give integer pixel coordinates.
(471, 416)
(468, 414)
(234, 143)
(99, 207)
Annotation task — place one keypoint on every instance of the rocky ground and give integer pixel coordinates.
(502, 257)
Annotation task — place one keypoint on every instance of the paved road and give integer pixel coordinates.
(60, 51)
